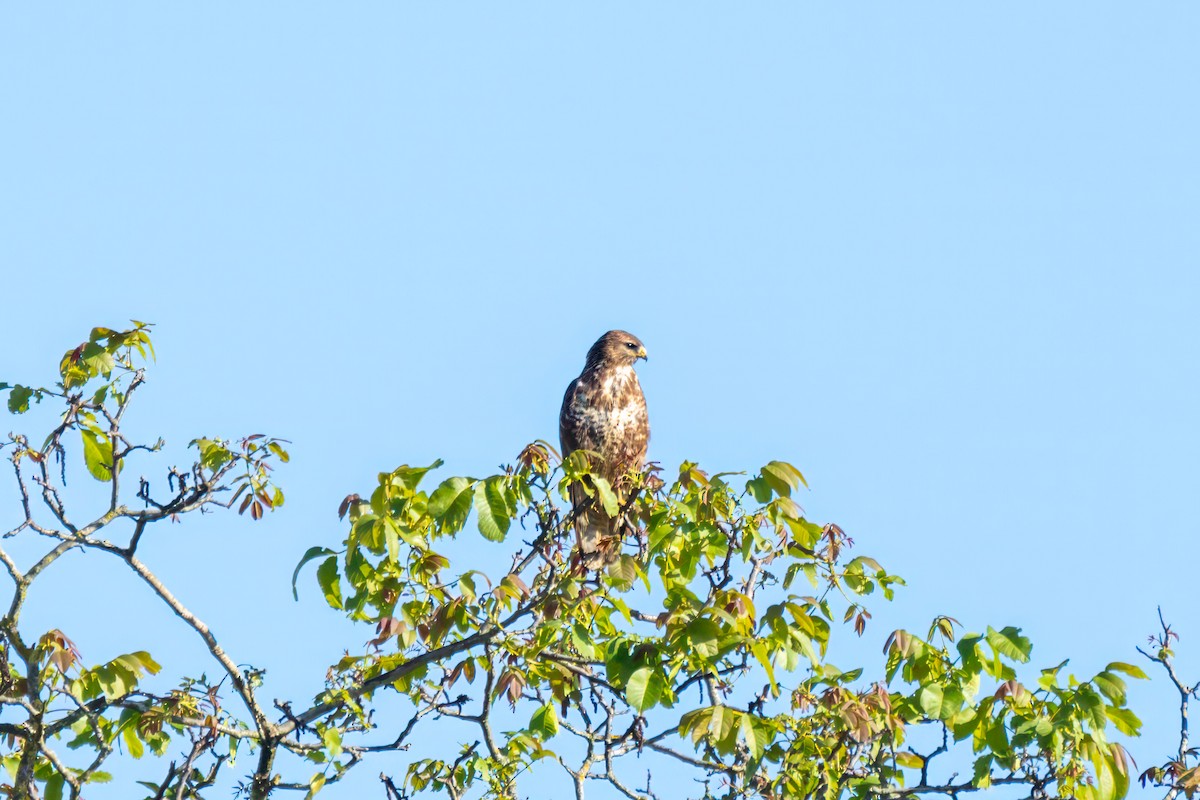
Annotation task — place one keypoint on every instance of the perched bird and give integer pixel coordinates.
(604, 411)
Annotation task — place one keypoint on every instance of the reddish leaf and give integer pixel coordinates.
(386, 629)
(350, 500)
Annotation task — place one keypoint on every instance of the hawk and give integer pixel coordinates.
(604, 411)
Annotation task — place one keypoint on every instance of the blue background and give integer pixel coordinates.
(941, 256)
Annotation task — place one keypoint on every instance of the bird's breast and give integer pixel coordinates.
(604, 411)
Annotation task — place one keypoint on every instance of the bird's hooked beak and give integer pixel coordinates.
(642, 354)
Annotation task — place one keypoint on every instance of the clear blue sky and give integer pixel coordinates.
(942, 256)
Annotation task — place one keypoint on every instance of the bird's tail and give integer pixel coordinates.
(599, 534)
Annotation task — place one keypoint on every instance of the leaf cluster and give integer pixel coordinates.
(704, 642)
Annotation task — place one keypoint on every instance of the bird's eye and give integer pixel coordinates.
(630, 345)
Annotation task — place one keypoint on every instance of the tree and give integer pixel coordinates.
(703, 646)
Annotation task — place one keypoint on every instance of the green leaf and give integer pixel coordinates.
(759, 489)
(783, 478)
(315, 784)
(332, 739)
(965, 724)
(139, 661)
(696, 723)
(756, 733)
(544, 723)
(1125, 720)
(158, 742)
(644, 688)
(608, 497)
(491, 508)
(54, 787)
(1119, 762)
(130, 737)
(1010, 642)
(309, 555)
(1129, 669)
(96, 360)
(930, 700)
(115, 679)
(982, 777)
(213, 453)
(1110, 686)
(760, 652)
(702, 635)
(411, 476)
(18, 399)
(391, 534)
(450, 503)
(327, 577)
(1106, 788)
(621, 606)
(619, 664)
(97, 454)
(660, 535)
(623, 571)
(996, 737)
(968, 648)
(952, 702)
(279, 452)
(940, 702)
(724, 728)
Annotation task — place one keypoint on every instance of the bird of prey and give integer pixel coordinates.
(604, 411)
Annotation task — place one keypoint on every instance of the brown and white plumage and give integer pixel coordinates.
(604, 411)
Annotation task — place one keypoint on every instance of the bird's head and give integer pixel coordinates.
(617, 348)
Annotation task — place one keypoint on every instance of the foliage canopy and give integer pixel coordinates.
(704, 646)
